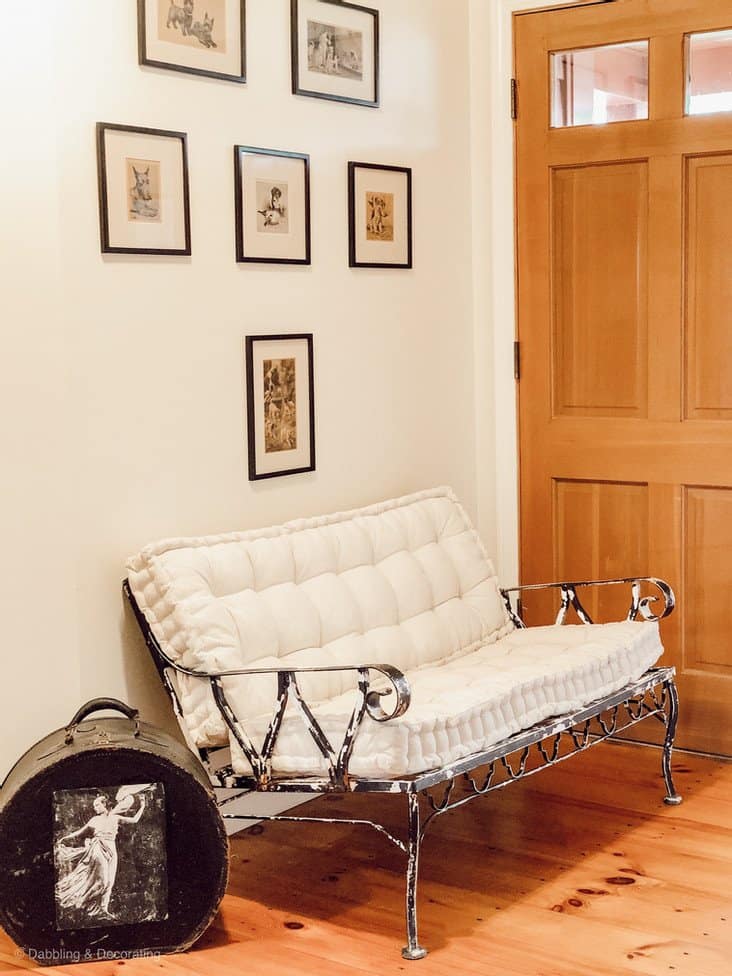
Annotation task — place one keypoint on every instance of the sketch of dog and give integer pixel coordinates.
(202, 29)
(181, 16)
(274, 211)
(142, 195)
(377, 215)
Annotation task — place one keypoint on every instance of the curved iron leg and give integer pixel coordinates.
(413, 950)
(672, 797)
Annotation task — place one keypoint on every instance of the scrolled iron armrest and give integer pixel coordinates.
(639, 604)
(336, 757)
(399, 684)
(398, 681)
(368, 702)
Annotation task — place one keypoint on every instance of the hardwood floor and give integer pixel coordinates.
(580, 871)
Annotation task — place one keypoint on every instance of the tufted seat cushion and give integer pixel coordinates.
(405, 582)
(469, 703)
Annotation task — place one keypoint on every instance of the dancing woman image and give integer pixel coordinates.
(88, 872)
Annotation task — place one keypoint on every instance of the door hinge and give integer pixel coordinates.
(514, 99)
(517, 360)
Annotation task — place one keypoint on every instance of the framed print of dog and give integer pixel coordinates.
(335, 51)
(199, 37)
(280, 405)
(272, 206)
(144, 199)
(379, 216)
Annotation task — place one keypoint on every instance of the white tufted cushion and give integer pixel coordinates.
(471, 702)
(406, 582)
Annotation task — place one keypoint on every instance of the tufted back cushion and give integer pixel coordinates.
(405, 582)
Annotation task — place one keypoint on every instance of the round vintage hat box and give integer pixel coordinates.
(111, 842)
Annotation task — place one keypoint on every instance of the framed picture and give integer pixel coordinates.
(280, 405)
(335, 51)
(272, 206)
(200, 37)
(144, 203)
(379, 216)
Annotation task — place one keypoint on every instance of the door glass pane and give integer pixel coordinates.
(710, 73)
(594, 85)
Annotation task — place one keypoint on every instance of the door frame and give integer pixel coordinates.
(497, 23)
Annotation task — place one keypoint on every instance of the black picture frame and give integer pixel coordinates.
(250, 341)
(103, 190)
(353, 261)
(297, 89)
(143, 59)
(242, 256)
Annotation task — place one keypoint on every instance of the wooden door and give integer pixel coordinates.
(625, 320)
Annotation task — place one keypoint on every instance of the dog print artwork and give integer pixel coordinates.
(143, 190)
(272, 207)
(180, 17)
(110, 856)
(379, 216)
(280, 395)
(193, 23)
(280, 413)
(335, 51)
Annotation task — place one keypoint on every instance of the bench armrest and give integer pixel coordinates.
(368, 702)
(398, 681)
(568, 598)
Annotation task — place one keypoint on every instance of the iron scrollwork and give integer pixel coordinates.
(561, 742)
(640, 605)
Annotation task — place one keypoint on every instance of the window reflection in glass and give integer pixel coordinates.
(596, 85)
(710, 73)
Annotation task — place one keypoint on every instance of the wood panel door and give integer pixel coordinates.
(624, 214)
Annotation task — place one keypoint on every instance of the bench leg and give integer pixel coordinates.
(672, 797)
(413, 950)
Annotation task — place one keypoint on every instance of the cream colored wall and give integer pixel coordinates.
(123, 407)
(40, 683)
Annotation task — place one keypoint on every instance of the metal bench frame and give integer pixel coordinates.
(433, 793)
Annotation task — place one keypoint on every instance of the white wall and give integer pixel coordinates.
(123, 405)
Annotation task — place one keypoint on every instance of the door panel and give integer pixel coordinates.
(708, 288)
(599, 270)
(624, 294)
(708, 579)
(601, 532)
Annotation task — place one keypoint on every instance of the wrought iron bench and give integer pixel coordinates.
(198, 601)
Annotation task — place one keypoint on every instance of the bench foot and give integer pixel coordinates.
(673, 801)
(413, 950)
(418, 952)
(672, 798)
